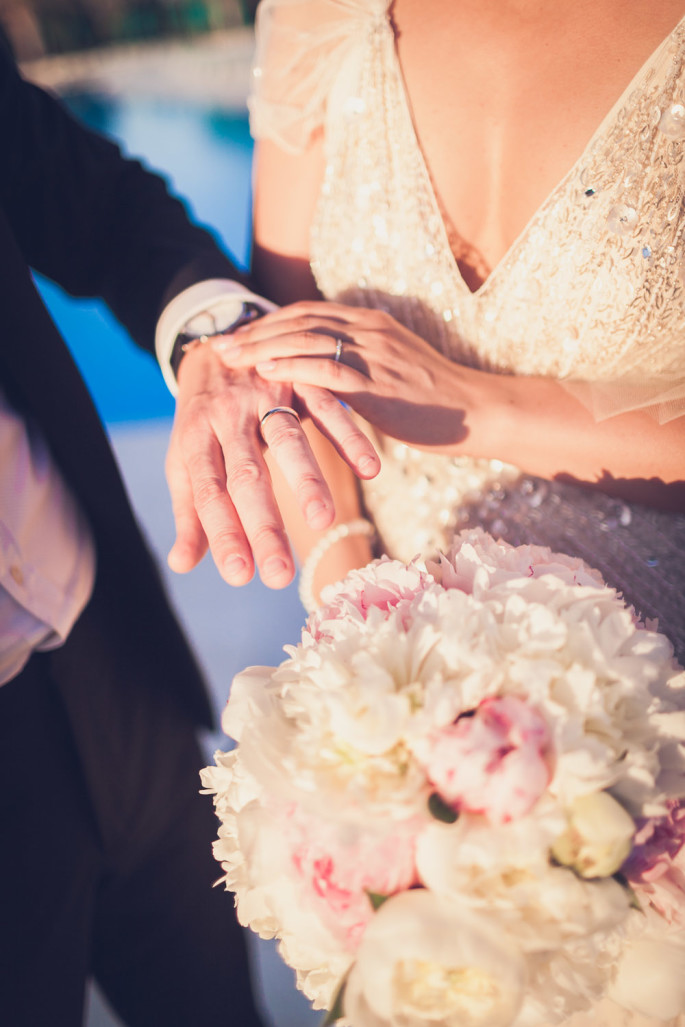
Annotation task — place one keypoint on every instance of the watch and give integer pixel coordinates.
(188, 339)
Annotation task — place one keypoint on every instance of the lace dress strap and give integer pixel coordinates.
(302, 47)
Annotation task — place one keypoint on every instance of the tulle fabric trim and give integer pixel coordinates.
(663, 401)
(301, 47)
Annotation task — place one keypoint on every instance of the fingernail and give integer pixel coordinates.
(235, 567)
(275, 567)
(266, 365)
(228, 349)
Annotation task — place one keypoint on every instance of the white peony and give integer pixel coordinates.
(504, 871)
(331, 796)
(426, 960)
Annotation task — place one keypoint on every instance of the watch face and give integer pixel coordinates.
(212, 322)
(223, 319)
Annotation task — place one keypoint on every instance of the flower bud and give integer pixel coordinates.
(598, 838)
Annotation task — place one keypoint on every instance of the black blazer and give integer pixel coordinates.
(74, 209)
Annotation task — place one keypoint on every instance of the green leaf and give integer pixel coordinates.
(634, 901)
(376, 899)
(336, 1010)
(439, 809)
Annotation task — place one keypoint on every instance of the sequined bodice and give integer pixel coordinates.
(592, 291)
(593, 288)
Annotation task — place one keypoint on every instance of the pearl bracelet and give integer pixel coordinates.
(339, 531)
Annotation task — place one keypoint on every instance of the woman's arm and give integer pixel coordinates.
(397, 382)
(286, 189)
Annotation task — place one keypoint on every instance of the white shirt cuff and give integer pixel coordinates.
(212, 305)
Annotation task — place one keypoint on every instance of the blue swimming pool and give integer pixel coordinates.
(205, 155)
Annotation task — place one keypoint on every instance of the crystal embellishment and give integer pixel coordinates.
(622, 219)
(672, 121)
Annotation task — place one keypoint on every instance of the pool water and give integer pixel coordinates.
(205, 155)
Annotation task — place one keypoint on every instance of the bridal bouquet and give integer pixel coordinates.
(459, 800)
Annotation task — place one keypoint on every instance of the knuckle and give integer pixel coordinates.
(243, 473)
(310, 334)
(354, 442)
(326, 403)
(308, 482)
(380, 319)
(266, 538)
(282, 434)
(207, 490)
(226, 540)
(301, 309)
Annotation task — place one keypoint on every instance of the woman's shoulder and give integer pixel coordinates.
(300, 48)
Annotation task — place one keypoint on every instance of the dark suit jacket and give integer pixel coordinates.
(74, 209)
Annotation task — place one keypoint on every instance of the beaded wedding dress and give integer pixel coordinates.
(591, 293)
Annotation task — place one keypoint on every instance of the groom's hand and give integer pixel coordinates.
(221, 490)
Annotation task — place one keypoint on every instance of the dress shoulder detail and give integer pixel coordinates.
(302, 46)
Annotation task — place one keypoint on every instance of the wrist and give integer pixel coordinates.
(189, 338)
(486, 410)
(206, 309)
(329, 560)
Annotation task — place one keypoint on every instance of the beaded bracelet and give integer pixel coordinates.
(339, 531)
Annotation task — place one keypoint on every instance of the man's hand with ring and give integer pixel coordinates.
(221, 490)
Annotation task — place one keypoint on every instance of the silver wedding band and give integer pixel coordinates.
(338, 350)
(277, 410)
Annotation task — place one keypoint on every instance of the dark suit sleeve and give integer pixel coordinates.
(88, 218)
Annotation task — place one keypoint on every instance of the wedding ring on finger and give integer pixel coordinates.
(276, 410)
(338, 351)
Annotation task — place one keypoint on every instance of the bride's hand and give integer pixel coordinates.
(385, 372)
(412, 393)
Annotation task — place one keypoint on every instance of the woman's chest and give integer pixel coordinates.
(592, 284)
(504, 97)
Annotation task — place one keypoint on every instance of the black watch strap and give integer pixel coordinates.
(249, 312)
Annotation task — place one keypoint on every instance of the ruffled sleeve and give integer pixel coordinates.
(302, 48)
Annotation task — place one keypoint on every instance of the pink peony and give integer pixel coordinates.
(656, 866)
(338, 868)
(384, 585)
(494, 761)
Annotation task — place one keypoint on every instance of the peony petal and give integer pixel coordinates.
(651, 979)
(424, 956)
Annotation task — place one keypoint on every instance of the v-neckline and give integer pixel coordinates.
(573, 171)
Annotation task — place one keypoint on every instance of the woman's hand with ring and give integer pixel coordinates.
(385, 372)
